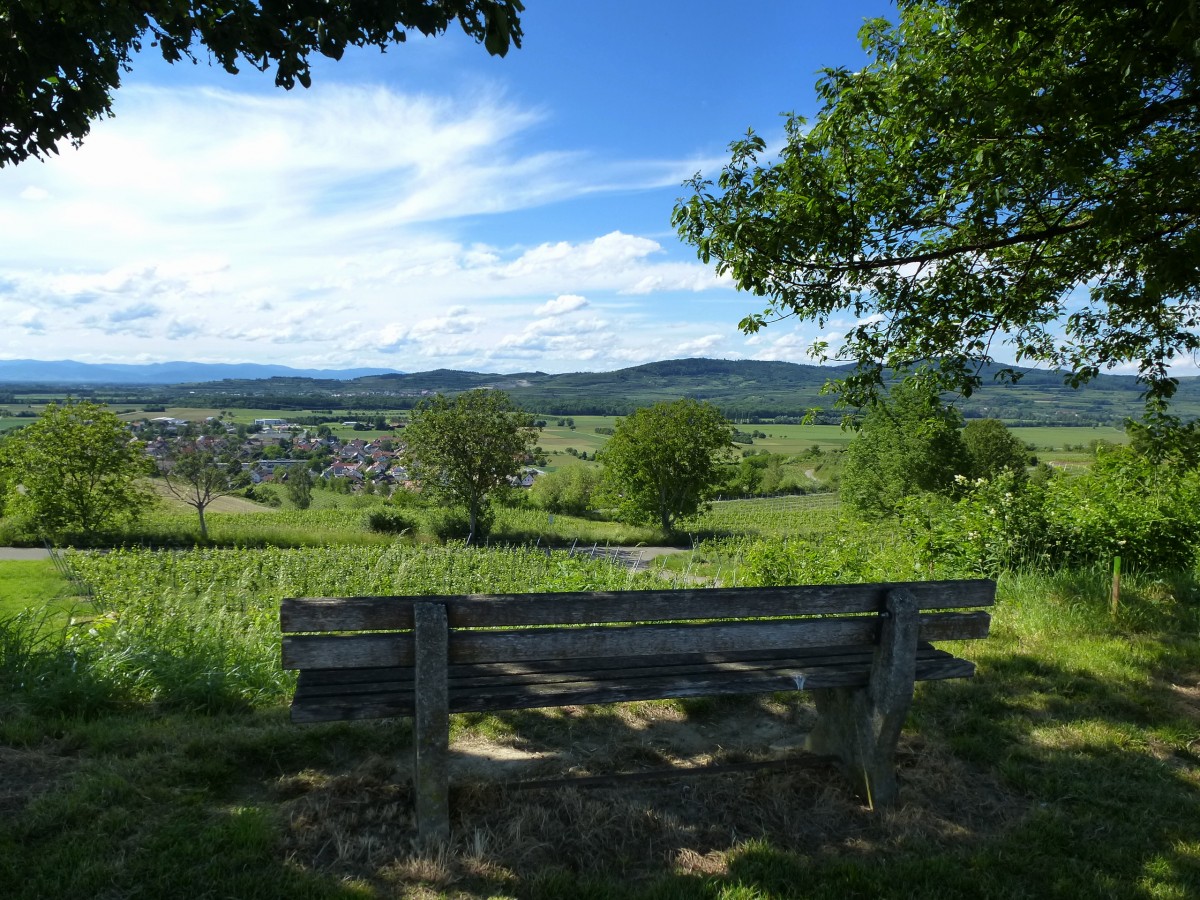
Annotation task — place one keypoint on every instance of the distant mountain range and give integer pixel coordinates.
(744, 390)
(66, 371)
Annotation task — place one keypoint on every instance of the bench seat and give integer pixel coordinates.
(858, 648)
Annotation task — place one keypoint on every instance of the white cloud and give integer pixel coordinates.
(700, 345)
(561, 305)
(784, 345)
(347, 225)
(613, 251)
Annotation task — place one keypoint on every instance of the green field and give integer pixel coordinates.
(147, 752)
(555, 439)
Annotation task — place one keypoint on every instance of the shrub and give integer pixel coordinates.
(391, 521)
(453, 523)
(1124, 505)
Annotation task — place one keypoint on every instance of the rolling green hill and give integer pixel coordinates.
(745, 390)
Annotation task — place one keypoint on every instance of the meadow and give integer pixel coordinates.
(145, 748)
(785, 439)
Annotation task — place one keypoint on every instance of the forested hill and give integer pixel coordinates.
(743, 389)
(747, 389)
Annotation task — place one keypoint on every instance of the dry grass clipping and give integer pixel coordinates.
(359, 824)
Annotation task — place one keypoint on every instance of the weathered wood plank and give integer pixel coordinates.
(371, 650)
(400, 703)
(315, 614)
(312, 651)
(431, 723)
(862, 725)
(505, 667)
(332, 682)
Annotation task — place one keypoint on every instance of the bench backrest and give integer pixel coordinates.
(374, 632)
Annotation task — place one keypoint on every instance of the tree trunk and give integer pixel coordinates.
(203, 524)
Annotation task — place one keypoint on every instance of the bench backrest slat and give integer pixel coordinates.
(353, 651)
(323, 614)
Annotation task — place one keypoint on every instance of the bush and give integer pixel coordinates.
(1124, 505)
(453, 524)
(391, 521)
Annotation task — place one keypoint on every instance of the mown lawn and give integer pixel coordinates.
(33, 584)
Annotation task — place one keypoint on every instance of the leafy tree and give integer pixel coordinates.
(197, 477)
(992, 449)
(569, 490)
(300, 486)
(908, 444)
(1017, 171)
(467, 448)
(666, 460)
(61, 60)
(77, 468)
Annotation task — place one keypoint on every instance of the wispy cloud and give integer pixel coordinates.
(345, 225)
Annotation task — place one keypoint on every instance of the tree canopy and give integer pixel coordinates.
(60, 60)
(666, 460)
(908, 444)
(993, 449)
(464, 449)
(77, 468)
(1016, 171)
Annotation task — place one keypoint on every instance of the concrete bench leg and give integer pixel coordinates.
(431, 723)
(861, 726)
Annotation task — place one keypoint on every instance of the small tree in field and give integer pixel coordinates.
(665, 461)
(908, 444)
(300, 486)
(77, 468)
(197, 478)
(466, 448)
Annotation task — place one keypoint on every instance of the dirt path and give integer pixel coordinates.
(635, 558)
(23, 553)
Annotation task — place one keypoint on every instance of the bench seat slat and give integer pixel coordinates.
(397, 699)
(332, 681)
(323, 614)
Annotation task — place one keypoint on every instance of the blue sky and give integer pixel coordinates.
(429, 207)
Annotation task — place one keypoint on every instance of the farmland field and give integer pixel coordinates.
(783, 439)
(9, 422)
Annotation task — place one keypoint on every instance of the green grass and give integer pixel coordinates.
(1067, 768)
(7, 423)
(147, 752)
(1051, 442)
(36, 584)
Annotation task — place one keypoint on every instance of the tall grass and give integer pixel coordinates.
(1068, 768)
(199, 629)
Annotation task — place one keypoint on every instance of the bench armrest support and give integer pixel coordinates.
(861, 726)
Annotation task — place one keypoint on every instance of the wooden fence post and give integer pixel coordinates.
(1116, 584)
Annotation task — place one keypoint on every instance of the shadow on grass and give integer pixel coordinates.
(1034, 779)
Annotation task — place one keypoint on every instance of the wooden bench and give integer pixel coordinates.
(858, 648)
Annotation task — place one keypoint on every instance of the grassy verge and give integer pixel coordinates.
(36, 584)
(1069, 767)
